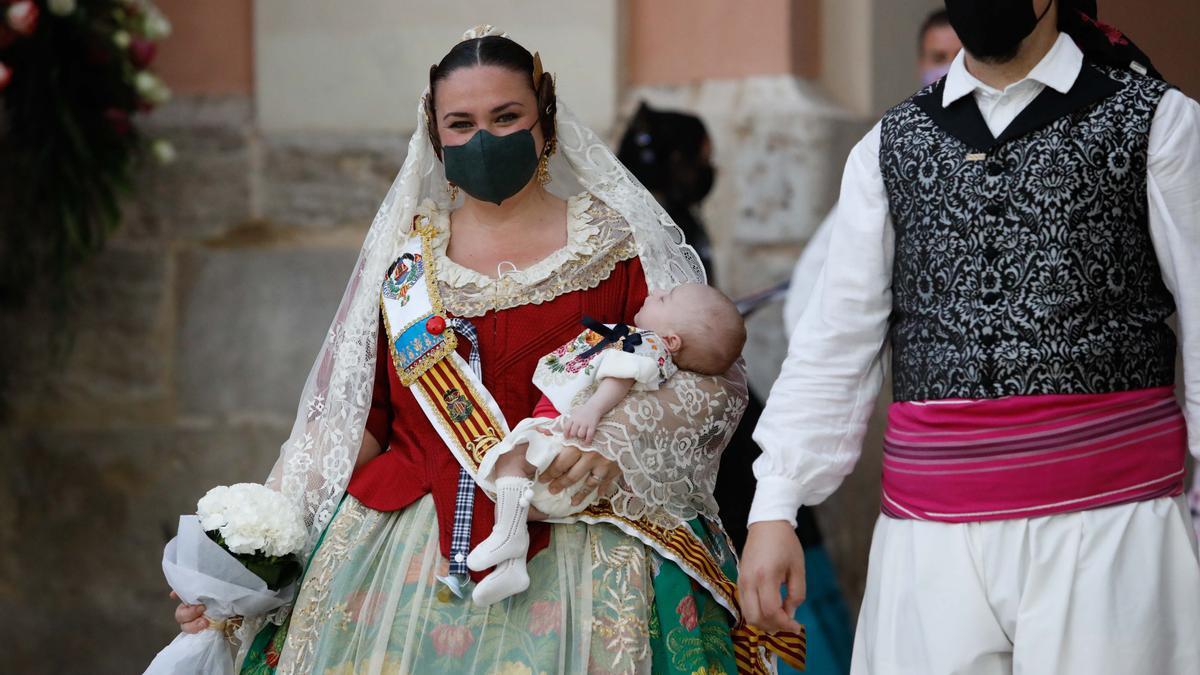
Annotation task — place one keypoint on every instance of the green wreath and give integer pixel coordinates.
(73, 82)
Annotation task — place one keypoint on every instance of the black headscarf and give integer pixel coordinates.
(664, 151)
(1100, 42)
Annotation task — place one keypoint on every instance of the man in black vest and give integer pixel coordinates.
(1011, 240)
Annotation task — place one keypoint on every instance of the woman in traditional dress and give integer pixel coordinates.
(460, 287)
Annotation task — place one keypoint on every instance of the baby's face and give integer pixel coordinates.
(657, 312)
(666, 311)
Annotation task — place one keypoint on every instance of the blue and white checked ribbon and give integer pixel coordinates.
(464, 500)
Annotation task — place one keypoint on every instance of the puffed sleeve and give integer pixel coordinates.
(623, 365)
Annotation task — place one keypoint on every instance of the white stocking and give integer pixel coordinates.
(510, 537)
(508, 579)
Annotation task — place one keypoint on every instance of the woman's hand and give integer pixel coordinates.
(573, 465)
(189, 617)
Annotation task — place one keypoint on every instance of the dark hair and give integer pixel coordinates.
(936, 19)
(493, 50)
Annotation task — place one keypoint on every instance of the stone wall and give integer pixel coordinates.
(178, 368)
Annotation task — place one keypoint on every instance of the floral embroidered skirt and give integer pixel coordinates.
(599, 602)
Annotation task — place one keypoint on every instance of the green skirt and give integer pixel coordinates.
(599, 602)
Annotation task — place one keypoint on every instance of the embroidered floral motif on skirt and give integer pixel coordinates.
(599, 602)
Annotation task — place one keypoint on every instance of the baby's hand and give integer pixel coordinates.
(581, 424)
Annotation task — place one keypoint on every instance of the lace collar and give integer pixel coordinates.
(597, 239)
(580, 234)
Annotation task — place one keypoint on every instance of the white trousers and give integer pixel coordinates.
(1112, 590)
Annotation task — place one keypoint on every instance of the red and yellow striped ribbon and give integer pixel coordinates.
(477, 432)
(789, 647)
(695, 559)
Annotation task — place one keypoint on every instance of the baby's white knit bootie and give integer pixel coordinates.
(510, 538)
(509, 578)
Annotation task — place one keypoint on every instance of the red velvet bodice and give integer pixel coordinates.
(416, 461)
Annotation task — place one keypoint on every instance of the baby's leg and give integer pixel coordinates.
(513, 464)
(509, 578)
(510, 537)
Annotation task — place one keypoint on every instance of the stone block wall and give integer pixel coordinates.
(178, 368)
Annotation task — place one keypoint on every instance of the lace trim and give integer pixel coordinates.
(668, 444)
(597, 239)
(314, 610)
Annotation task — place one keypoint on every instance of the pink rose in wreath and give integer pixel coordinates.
(687, 612)
(451, 640)
(544, 617)
(22, 16)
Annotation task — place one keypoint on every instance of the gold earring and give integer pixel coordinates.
(453, 192)
(543, 170)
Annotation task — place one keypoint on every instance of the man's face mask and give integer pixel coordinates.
(991, 30)
(492, 168)
(931, 75)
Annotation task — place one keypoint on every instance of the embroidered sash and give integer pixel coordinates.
(470, 422)
(422, 348)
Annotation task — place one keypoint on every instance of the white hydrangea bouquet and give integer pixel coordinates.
(238, 556)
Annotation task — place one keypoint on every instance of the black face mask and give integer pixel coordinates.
(991, 30)
(492, 168)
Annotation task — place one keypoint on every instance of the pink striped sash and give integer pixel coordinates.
(1028, 456)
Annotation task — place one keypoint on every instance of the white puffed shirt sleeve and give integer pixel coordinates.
(640, 368)
(806, 272)
(812, 429)
(1173, 191)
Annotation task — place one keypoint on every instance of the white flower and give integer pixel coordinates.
(155, 26)
(163, 151)
(150, 88)
(121, 39)
(252, 518)
(61, 7)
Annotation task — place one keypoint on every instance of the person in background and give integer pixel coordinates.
(937, 45)
(670, 153)
(1012, 241)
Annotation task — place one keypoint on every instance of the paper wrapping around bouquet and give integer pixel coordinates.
(201, 572)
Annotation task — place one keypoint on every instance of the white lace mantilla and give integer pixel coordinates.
(315, 463)
(668, 443)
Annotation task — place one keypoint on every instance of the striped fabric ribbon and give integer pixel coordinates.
(1029, 456)
(751, 647)
(749, 643)
(464, 499)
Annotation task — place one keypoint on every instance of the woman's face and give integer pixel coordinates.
(485, 97)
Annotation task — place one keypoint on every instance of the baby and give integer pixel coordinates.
(692, 327)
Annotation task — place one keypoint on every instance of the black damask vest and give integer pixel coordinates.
(1023, 264)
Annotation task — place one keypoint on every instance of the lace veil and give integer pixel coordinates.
(315, 463)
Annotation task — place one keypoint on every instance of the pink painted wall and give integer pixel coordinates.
(676, 41)
(1167, 32)
(210, 50)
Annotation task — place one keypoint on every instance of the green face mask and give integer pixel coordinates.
(492, 168)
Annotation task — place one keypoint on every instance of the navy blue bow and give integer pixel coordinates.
(617, 335)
